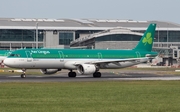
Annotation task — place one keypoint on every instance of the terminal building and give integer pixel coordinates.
(88, 33)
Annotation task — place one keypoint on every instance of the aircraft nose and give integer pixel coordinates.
(7, 62)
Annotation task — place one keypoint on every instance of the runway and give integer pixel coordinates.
(105, 77)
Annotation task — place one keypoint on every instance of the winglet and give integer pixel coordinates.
(147, 39)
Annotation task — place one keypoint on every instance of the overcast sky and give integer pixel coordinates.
(163, 10)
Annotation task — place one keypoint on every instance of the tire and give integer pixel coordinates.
(23, 75)
(72, 74)
(97, 74)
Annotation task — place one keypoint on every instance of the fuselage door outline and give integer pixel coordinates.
(61, 56)
(138, 54)
(99, 56)
(29, 56)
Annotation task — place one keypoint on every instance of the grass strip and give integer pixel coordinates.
(106, 96)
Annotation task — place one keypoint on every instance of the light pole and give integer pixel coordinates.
(158, 36)
(34, 32)
(167, 34)
(36, 35)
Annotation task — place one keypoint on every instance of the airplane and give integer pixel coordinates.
(85, 61)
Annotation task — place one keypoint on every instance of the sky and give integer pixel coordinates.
(140, 10)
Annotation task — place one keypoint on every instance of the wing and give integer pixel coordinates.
(114, 61)
(121, 60)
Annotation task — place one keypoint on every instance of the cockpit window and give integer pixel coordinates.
(14, 55)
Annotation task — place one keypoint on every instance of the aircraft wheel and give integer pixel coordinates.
(69, 74)
(97, 74)
(23, 75)
(72, 74)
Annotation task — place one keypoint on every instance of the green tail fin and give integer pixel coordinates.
(147, 39)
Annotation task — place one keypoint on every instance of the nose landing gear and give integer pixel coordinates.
(23, 75)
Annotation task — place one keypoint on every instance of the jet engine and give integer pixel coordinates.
(86, 69)
(49, 71)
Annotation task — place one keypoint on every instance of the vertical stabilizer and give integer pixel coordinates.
(147, 39)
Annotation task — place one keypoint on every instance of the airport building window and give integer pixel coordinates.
(170, 36)
(20, 35)
(119, 37)
(65, 38)
(164, 36)
(175, 54)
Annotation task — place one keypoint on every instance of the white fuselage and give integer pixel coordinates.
(30, 63)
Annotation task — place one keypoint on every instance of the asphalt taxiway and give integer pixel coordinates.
(105, 77)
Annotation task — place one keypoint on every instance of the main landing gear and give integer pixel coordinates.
(96, 74)
(23, 75)
(72, 74)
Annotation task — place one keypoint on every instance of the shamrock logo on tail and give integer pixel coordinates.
(147, 39)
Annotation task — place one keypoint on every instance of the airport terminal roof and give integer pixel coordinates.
(81, 24)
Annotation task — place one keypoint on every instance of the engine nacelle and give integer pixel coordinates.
(49, 71)
(86, 69)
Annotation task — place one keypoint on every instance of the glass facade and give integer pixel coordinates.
(65, 38)
(167, 36)
(20, 35)
(119, 37)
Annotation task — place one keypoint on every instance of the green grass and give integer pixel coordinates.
(113, 96)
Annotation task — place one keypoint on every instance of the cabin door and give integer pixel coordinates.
(29, 56)
(61, 56)
(99, 56)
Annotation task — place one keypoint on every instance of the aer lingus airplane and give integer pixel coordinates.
(83, 60)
